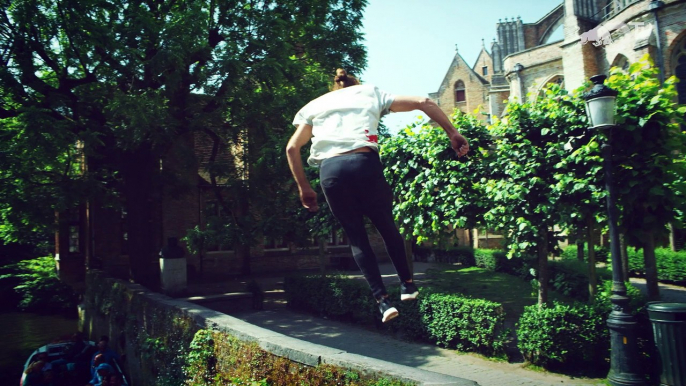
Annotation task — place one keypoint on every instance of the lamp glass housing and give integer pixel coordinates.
(601, 111)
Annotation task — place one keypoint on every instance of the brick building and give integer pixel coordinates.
(94, 234)
(574, 41)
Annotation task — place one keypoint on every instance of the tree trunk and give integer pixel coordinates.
(625, 256)
(651, 267)
(672, 237)
(543, 268)
(592, 277)
(580, 242)
(242, 253)
(138, 175)
(241, 211)
(470, 238)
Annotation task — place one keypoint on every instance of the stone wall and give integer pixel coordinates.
(540, 65)
(155, 331)
(475, 89)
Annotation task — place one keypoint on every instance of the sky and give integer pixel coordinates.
(411, 43)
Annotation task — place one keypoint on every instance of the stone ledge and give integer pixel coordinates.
(228, 296)
(297, 350)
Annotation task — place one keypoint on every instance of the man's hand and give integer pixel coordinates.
(308, 197)
(459, 144)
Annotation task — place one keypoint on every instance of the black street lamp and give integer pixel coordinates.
(600, 107)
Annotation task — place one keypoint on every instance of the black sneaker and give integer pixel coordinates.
(389, 312)
(408, 291)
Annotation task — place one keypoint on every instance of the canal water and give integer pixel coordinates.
(23, 332)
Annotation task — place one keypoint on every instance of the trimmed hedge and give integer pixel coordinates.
(453, 255)
(333, 296)
(563, 336)
(576, 338)
(450, 320)
(490, 259)
(602, 253)
(496, 260)
(464, 323)
(670, 265)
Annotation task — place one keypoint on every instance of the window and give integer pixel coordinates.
(558, 80)
(213, 212)
(680, 69)
(274, 243)
(337, 237)
(460, 92)
(680, 73)
(341, 237)
(553, 80)
(484, 70)
(622, 62)
(74, 239)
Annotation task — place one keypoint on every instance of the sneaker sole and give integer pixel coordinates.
(411, 296)
(390, 313)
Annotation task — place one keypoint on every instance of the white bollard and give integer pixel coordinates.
(173, 273)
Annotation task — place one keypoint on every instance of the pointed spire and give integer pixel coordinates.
(483, 44)
(456, 49)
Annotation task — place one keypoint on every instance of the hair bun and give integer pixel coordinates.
(343, 80)
(342, 77)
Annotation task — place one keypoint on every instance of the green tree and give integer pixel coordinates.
(97, 92)
(39, 288)
(531, 143)
(435, 191)
(648, 148)
(578, 176)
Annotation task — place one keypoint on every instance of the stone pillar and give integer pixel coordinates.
(521, 46)
(578, 60)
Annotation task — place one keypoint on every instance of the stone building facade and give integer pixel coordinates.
(596, 35)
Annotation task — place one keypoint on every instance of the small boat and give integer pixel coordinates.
(65, 373)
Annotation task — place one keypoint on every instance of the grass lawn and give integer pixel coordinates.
(512, 292)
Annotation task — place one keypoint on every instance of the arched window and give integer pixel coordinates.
(622, 62)
(555, 79)
(679, 63)
(460, 92)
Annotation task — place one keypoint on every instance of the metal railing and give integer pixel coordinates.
(614, 7)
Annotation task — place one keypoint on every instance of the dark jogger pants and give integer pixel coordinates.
(354, 186)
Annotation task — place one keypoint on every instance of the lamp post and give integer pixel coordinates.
(600, 107)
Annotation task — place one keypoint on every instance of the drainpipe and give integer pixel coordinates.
(518, 68)
(654, 6)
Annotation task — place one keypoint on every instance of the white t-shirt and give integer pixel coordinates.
(344, 120)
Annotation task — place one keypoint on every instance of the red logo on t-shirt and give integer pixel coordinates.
(372, 138)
